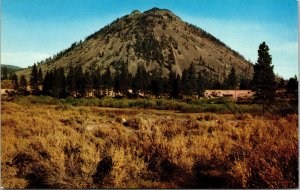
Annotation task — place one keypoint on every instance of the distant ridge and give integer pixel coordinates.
(13, 67)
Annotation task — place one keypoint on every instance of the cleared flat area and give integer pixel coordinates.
(63, 146)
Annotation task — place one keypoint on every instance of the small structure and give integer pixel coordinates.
(232, 94)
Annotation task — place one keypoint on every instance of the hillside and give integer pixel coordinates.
(154, 38)
(11, 67)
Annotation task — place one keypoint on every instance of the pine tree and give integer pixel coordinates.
(263, 80)
(23, 86)
(216, 84)
(97, 82)
(15, 81)
(88, 82)
(117, 86)
(107, 81)
(156, 82)
(46, 85)
(231, 81)
(189, 80)
(55, 90)
(124, 79)
(201, 84)
(155, 88)
(175, 88)
(63, 85)
(51, 83)
(79, 77)
(34, 80)
(292, 85)
(244, 83)
(71, 82)
(140, 82)
(171, 79)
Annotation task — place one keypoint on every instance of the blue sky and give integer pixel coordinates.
(32, 30)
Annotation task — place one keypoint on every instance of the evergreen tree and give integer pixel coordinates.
(264, 78)
(165, 86)
(55, 83)
(216, 84)
(244, 83)
(46, 85)
(292, 85)
(97, 82)
(51, 83)
(15, 81)
(63, 85)
(146, 81)
(171, 79)
(107, 81)
(117, 86)
(23, 86)
(88, 82)
(175, 88)
(34, 80)
(201, 84)
(124, 79)
(71, 82)
(141, 80)
(138, 79)
(55, 89)
(80, 82)
(155, 88)
(189, 81)
(156, 82)
(5, 73)
(231, 81)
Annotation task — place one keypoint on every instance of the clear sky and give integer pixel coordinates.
(32, 30)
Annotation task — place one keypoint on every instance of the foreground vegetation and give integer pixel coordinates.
(188, 105)
(73, 143)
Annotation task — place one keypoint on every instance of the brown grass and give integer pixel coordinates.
(63, 146)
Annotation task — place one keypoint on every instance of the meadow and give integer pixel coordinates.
(111, 143)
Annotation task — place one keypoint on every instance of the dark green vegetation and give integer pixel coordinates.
(78, 83)
(264, 78)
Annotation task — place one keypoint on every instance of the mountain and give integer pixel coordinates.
(156, 38)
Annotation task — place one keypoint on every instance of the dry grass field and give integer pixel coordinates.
(64, 146)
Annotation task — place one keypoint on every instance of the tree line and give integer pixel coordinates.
(120, 82)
